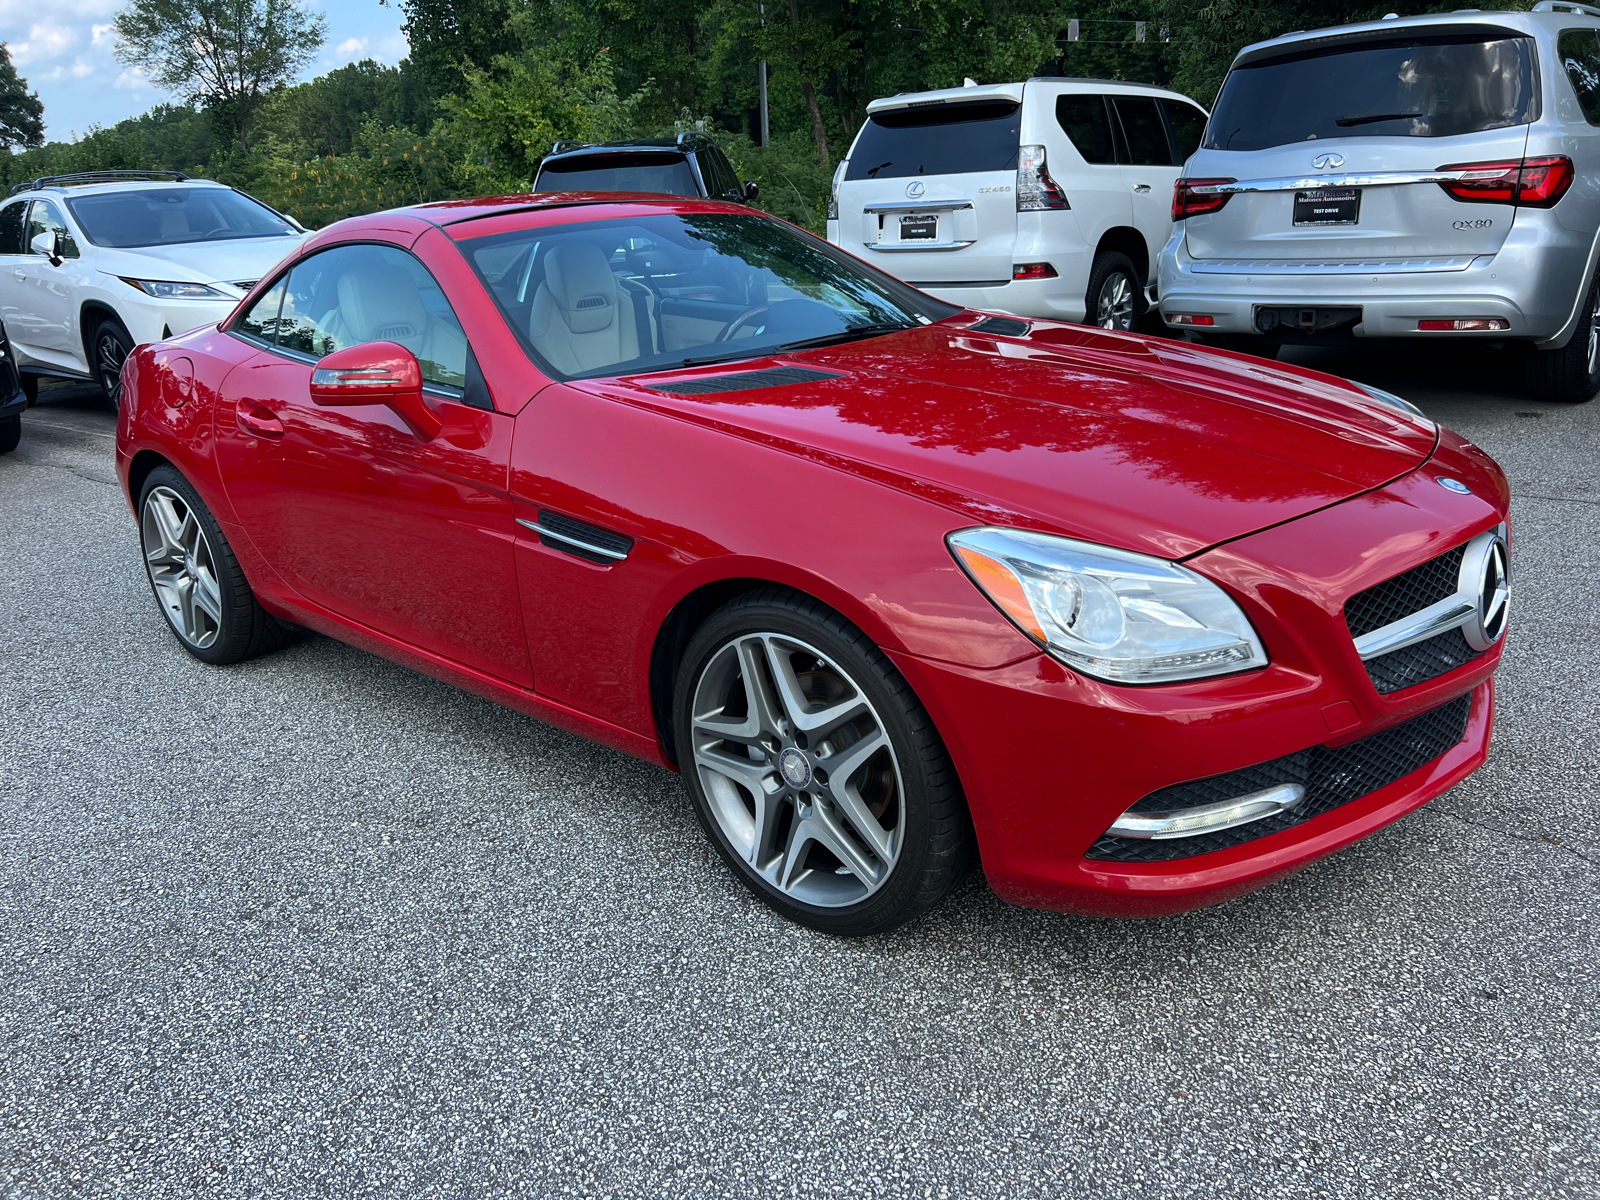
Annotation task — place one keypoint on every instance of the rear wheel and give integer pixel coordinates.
(10, 433)
(817, 774)
(1115, 299)
(110, 347)
(196, 579)
(1571, 374)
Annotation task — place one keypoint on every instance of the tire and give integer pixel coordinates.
(1244, 343)
(30, 389)
(109, 346)
(1570, 375)
(186, 555)
(10, 433)
(806, 849)
(1115, 299)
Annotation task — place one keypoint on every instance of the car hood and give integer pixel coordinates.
(1149, 445)
(199, 262)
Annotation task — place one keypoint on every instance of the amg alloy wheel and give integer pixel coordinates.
(816, 772)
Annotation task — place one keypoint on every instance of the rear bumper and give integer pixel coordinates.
(1532, 283)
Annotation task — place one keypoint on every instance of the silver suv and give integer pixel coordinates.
(1432, 177)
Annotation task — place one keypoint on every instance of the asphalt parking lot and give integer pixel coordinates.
(319, 926)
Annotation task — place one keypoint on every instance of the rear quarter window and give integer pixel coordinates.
(938, 139)
(1087, 124)
(1579, 51)
(1440, 85)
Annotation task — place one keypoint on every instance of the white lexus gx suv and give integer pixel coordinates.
(1050, 198)
(93, 265)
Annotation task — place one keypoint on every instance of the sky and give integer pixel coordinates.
(67, 57)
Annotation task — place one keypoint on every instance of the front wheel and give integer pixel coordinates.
(197, 581)
(1571, 374)
(817, 774)
(110, 348)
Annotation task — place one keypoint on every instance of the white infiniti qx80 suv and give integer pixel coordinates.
(93, 265)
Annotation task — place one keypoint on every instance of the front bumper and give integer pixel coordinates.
(1050, 758)
(1532, 283)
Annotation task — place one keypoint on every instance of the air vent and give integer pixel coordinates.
(744, 381)
(393, 333)
(591, 302)
(244, 285)
(1001, 326)
(578, 539)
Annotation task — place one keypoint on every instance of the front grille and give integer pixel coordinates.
(1331, 777)
(1387, 602)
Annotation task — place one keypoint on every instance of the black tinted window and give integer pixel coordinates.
(172, 216)
(1188, 124)
(1580, 55)
(262, 319)
(1419, 87)
(1146, 135)
(718, 173)
(1085, 122)
(11, 227)
(667, 173)
(938, 139)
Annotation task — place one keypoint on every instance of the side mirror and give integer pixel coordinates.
(48, 244)
(751, 190)
(376, 373)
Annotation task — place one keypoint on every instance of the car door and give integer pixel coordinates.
(51, 290)
(1148, 169)
(356, 511)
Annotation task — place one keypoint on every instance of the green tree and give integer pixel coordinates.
(225, 54)
(21, 111)
(446, 35)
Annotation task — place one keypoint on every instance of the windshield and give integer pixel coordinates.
(650, 293)
(172, 216)
(666, 173)
(938, 139)
(1417, 87)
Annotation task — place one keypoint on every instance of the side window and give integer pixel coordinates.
(1580, 55)
(1145, 136)
(351, 295)
(11, 227)
(44, 217)
(720, 180)
(1083, 119)
(262, 320)
(1188, 123)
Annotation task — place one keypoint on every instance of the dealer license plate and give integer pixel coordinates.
(919, 227)
(1328, 206)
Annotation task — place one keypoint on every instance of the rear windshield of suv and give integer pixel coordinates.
(1423, 86)
(665, 173)
(938, 139)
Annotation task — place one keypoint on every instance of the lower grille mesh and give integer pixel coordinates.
(1331, 777)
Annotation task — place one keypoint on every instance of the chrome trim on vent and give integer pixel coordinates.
(1314, 182)
(1390, 266)
(1472, 609)
(616, 555)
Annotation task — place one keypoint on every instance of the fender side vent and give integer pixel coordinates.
(588, 542)
(745, 381)
(1000, 327)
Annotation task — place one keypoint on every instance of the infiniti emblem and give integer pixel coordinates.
(915, 188)
(1326, 162)
(1493, 583)
(1453, 485)
(794, 768)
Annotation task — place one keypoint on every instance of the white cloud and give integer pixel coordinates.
(350, 49)
(133, 77)
(100, 35)
(44, 43)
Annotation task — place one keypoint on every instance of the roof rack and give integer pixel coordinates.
(45, 181)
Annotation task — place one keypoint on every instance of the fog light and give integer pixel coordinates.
(1462, 324)
(1033, 271)
(1189, 319)
(1209, 818)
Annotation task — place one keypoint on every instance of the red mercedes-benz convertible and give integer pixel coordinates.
(889, 582)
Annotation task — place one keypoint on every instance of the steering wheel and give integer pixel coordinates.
(755, 310)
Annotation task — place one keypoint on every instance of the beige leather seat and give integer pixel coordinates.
(583, 317)
(381, 303)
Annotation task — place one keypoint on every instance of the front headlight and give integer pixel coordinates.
(166, 289)
(1390, 400)
(1124, 618)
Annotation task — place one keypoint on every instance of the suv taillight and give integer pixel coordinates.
(1035, 189)
(1188, 200)
(833, 191)
(1535, 182)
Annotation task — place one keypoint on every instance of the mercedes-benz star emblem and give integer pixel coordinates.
(794, 768)
(1453, 485)
(1327, 162)
(915, 188)
(1486, 560)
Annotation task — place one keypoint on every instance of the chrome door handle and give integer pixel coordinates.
(1141, 187)
(19, 275)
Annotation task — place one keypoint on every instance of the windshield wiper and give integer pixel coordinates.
(744, 352)
(1372, 118)
(848, 334)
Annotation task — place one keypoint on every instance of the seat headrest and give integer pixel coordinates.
(582, 286)
(381, 303)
